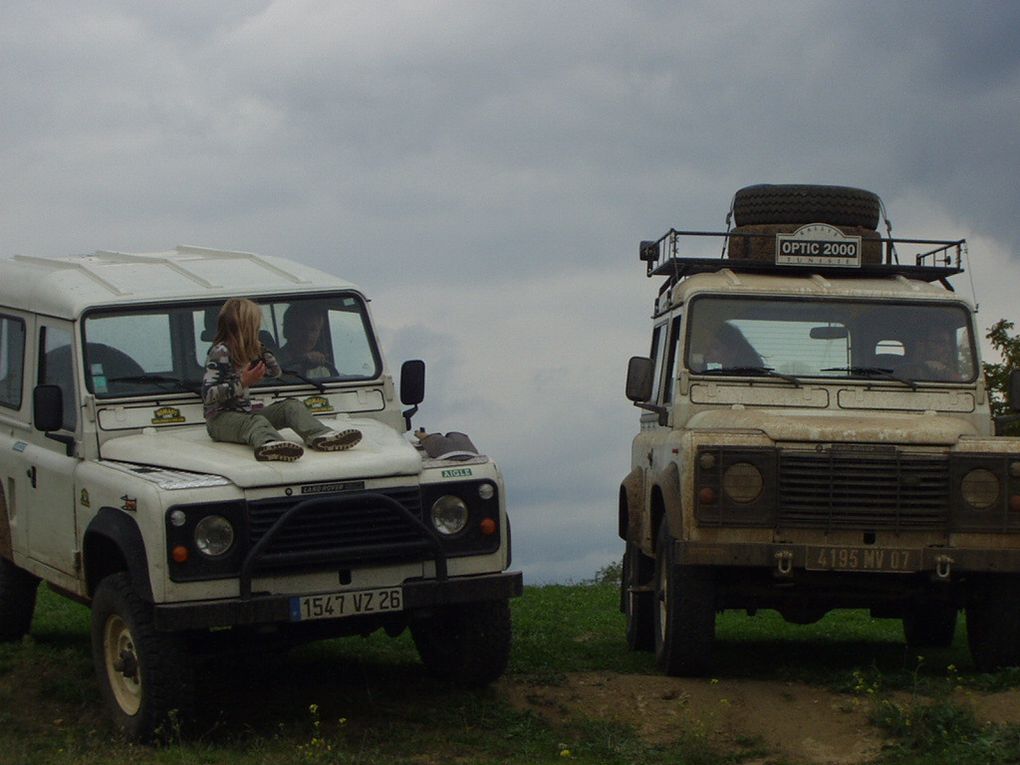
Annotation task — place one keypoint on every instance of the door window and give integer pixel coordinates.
(56, 368)
(12, 361)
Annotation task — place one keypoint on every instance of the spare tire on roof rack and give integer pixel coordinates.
(806, 203)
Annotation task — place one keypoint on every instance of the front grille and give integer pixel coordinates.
(342, 528)
(863, 490)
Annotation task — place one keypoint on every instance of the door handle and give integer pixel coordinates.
(31, 475)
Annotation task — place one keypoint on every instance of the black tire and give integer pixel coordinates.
(684, 613)
(802, 203)
(18, 589)
(637, 606)
(469, 644)
(146, 677)
(930, 625)
(993, 624)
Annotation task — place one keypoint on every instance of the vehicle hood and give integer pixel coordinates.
(381, 452)
(843, 427)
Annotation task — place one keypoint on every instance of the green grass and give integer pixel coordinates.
(367, 700)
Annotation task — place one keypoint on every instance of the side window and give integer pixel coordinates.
(56, 368)
(668, 382)
(12, 361)
(657, 351)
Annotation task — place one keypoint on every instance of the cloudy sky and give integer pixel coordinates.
(485, 172)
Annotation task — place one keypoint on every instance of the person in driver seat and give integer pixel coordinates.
(302, 329)
(723, 347)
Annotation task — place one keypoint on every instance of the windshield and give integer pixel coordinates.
(830, 338)
(163, 349)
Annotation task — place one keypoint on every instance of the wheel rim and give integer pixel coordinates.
(122, 666)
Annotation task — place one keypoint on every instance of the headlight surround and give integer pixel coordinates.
(743, 482)
(980, 488)
(735, 485)
(449, 515)
(214, 536)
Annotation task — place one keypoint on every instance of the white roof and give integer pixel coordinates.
(65, 287)
(813, 285)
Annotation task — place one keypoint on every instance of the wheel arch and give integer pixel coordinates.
(113, 542)
(666, 503)
(631, 502)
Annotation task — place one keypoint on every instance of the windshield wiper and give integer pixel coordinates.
(192, 386)
(885, 374)
(302, 378)
(766, 371)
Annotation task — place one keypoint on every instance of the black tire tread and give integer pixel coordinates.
(806, 203)
(638, 570)
(993, 623)
(687, 648)
(167, 669)
(469, 644)
(18, 590)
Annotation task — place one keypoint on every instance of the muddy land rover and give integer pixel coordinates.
(816, 434)
(113, 493)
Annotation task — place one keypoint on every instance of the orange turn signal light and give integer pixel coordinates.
(487, 527)
(179, 554)
(707, 496)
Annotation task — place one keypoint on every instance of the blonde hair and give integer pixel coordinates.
(237, 327)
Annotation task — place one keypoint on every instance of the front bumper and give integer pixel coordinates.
(274, 609)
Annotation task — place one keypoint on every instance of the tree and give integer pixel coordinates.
(997, 375)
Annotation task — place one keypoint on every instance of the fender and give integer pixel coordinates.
(109, 535)
(667, 481)
(632, 502)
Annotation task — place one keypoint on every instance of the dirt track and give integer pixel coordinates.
(795, 722)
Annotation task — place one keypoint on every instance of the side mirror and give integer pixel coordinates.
(412, 387)
(412, 382)
(1013, 393)
(640, 378)
(47, 407)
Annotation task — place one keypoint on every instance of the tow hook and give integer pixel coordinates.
(943, 563)
(784, 562)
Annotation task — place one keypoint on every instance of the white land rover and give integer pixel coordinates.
(816, 435)
(113, 493)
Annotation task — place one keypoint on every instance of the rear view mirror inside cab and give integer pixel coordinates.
(828, 332)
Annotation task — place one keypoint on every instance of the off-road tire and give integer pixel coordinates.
(469, 643)
(150, 699)
(684, 613)
(993, 623)
(17, 601)
(803, 203)
(638, 571)
(930, 625)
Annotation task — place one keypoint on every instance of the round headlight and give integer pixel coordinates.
(449, 515)
(742, 482)
(980, 488)
(214, 535)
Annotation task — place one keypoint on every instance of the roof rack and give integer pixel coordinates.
(940, 260)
